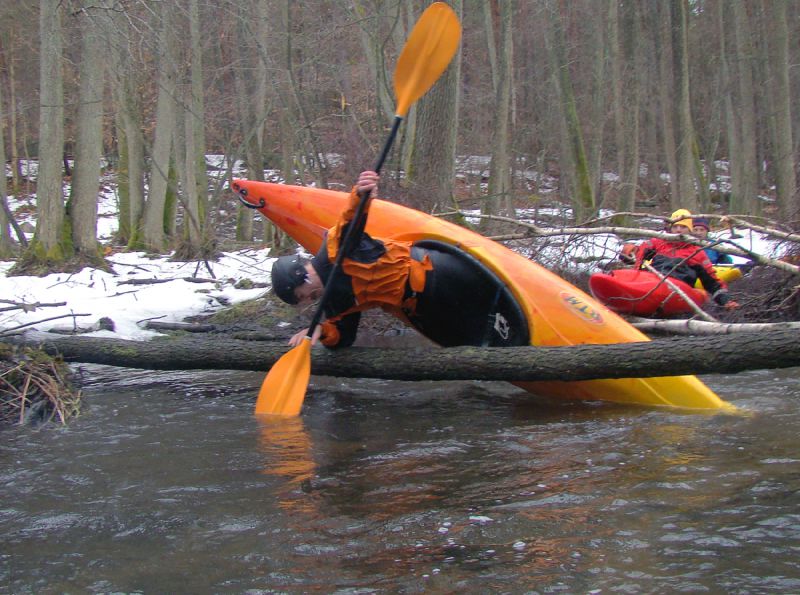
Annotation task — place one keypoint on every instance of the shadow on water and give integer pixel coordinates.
(168, 483)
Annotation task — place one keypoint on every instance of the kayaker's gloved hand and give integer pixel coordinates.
(644, 252)
(723, 298)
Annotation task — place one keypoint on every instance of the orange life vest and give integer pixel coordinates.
(382, 283)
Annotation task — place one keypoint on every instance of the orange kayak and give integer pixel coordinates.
(557, 312)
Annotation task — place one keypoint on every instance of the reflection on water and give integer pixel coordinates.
(168, 483)
(286, 447)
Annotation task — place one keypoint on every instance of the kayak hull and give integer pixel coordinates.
(643, 293)
(557, 312)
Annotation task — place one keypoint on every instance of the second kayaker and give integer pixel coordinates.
(700, 229)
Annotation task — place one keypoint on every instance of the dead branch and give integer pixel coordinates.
(154, 281)
(188, 327)
(725, 246)
(9, 331)
(28, 307)
(35, 390)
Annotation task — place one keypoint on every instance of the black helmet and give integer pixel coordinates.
(288, 273)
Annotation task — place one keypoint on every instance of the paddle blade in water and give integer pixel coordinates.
(284, 389)
(429, 49)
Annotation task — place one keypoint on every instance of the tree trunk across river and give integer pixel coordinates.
(661, 357)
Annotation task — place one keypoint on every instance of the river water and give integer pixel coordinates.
(168, 484)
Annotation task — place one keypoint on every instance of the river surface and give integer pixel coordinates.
(167, 483)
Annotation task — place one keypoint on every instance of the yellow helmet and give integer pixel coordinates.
(681, 217)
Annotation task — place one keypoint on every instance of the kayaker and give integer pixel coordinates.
(700, 229)
(430, 289)
(684, 261)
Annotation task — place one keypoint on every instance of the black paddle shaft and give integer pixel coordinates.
(357, 225)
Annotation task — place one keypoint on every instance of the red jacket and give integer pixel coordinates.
(685, 262)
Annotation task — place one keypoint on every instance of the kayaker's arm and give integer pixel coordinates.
(367, 182)
(645, 251)
(334, 333)
(713, 284)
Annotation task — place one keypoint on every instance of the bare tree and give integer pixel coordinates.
(195, 242)
(296, 122)
(737, 93)
(783, 154)
(628, 108)
(9, 50)
(685, 190)
(50, 246)
(500, 191)
(433, 160)
(744, 154)
(313, 79)
(82, 204)
(125, 79)
(250, 81)
(156, 216)
(6, 244)
(575, 164)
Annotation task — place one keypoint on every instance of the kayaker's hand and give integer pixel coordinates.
(368, 182)
(628, 253)
(297, 338)
(732, 305)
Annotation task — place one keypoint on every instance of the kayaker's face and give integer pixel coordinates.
(700, 232)
(680, 229)
(311, 290)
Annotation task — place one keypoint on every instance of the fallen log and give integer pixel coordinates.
(702, 327)
(662, 357)
(189, 327)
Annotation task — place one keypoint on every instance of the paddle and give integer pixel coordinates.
(429, 49)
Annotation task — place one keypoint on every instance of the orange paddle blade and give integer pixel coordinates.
(284, 388)
(429, 49)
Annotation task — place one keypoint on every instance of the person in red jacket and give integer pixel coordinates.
(684, 261)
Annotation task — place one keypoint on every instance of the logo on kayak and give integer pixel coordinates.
(581, 307)
(501, 326)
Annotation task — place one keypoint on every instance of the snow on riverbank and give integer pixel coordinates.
(112, 295)
(129, 305)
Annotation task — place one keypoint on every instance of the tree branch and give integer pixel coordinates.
(726, 247)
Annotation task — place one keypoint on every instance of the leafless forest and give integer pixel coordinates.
(636, 106)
